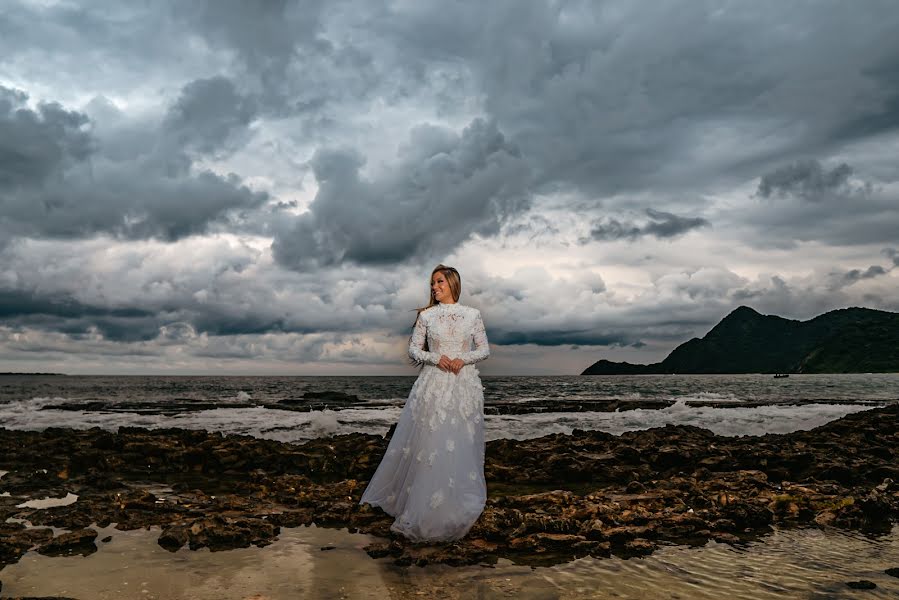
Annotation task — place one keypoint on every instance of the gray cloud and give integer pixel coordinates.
(562, 338)
(208, 114)
(804, 201)
(661, 225)
(652, 113)
(134, 294)
(65, 314)
(892, 254)
(611, 97)
(883, 112)
(534, 227)
(38, 145)
(268, 38)
(54, 181)
(806, 179)
(843, 279)
(447, 188)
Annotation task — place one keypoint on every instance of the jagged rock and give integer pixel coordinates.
(219, 533)
(316, 401)
(173, 537)
(80, 541)
(638, 547)
(38, 598)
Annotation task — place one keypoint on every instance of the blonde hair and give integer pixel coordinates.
(455, 284)
(452, 278)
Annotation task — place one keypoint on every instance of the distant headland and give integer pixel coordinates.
(848, 340)
(10, 374)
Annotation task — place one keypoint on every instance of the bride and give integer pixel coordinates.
(432, 476)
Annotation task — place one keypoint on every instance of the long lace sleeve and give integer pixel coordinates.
(417, 344)
(482, 348)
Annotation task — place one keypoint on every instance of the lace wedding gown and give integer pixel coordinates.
(432, 476)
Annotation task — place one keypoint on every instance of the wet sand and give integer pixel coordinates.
(321, 563)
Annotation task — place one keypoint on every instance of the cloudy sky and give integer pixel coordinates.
(264, 187)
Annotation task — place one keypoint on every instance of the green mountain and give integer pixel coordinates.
(849, 340)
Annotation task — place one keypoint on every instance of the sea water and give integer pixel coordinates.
(517, 407)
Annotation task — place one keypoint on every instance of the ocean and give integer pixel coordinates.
(517, 407)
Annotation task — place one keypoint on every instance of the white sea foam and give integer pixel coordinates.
(727, 421)
(290, 426)
(709, 397)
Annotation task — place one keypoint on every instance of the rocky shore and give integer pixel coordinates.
(551, 499)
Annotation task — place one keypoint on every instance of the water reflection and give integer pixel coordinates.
(312, 562)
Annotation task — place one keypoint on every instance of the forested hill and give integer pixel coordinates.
(849, 340)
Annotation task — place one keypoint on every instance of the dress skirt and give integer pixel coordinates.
(432, 476)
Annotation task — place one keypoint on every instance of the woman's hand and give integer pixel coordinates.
(452, 365)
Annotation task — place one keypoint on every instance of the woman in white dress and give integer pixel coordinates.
(432, 476)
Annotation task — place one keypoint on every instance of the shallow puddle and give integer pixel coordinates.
(808, 563)
(69, 498)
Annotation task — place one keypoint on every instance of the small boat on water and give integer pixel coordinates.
(781, 375)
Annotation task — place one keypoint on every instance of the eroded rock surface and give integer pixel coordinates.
(550, 499)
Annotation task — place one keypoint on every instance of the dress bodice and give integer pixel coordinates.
(450, 329)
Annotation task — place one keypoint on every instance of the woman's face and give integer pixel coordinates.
(440, 288)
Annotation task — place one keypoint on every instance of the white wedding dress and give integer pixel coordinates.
(432, 476)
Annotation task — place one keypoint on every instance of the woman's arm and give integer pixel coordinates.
(417, 344)
(482, 348)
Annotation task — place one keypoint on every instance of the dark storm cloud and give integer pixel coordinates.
(598, 97)
(661, 225)
(54, 180)
(289, 61)
(805, 201)
(857, 274)
(884, 115)
(892, 254)
(841, 279)
(806, 179)
(612, 96)
(665, 225)
(208, 114)
(141, 321)
(216, 289)
(38, 145)
(560, 338)
(597, 108)
(446, 188)
(266, 35)
(20, 303)
(65, 314)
